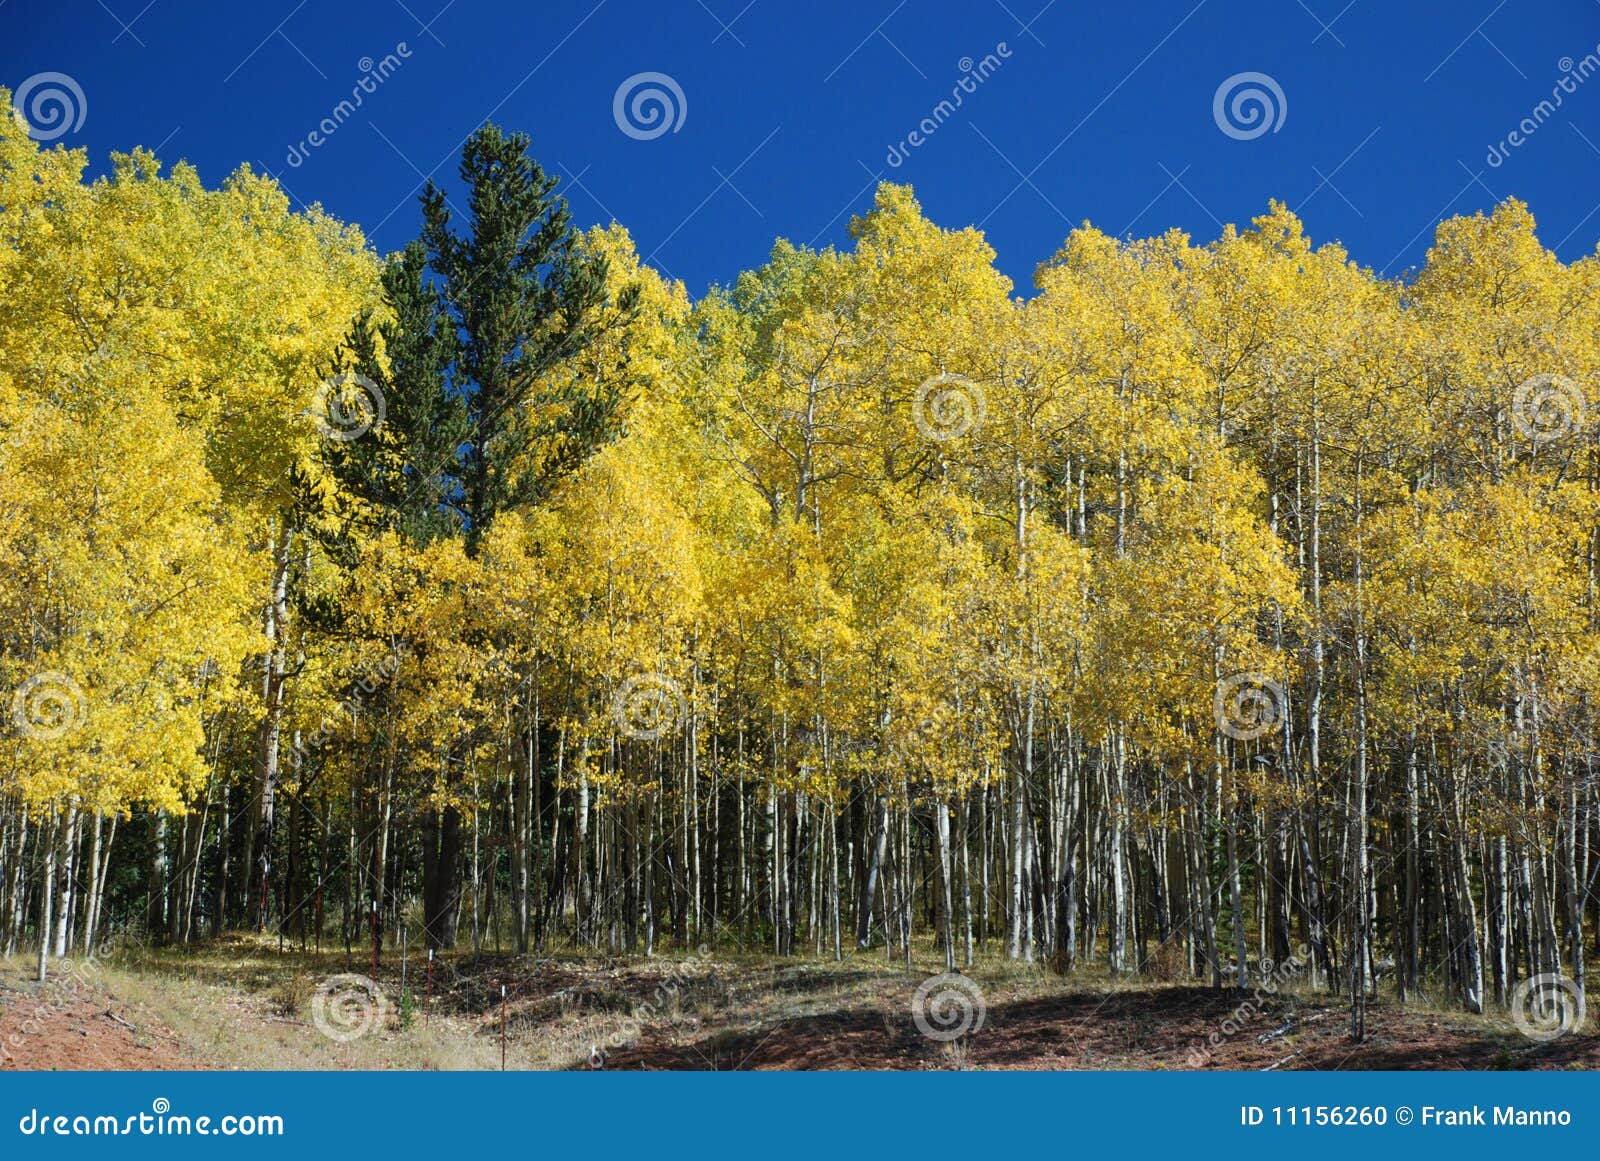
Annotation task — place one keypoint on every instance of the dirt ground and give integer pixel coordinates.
(242, 1004)
(74, 1023)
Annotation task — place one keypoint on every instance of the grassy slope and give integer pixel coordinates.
(241, 1003)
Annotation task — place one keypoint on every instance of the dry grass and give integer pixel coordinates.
(243, 1002)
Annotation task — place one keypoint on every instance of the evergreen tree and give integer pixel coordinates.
(523, 301)
(406, 473)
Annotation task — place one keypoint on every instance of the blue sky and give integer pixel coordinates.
(1105, 112)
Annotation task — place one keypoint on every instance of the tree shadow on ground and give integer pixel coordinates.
(1156, 1029)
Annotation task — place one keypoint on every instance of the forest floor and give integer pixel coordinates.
(242, 1003)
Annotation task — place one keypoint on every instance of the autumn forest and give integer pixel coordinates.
(1206, 606)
